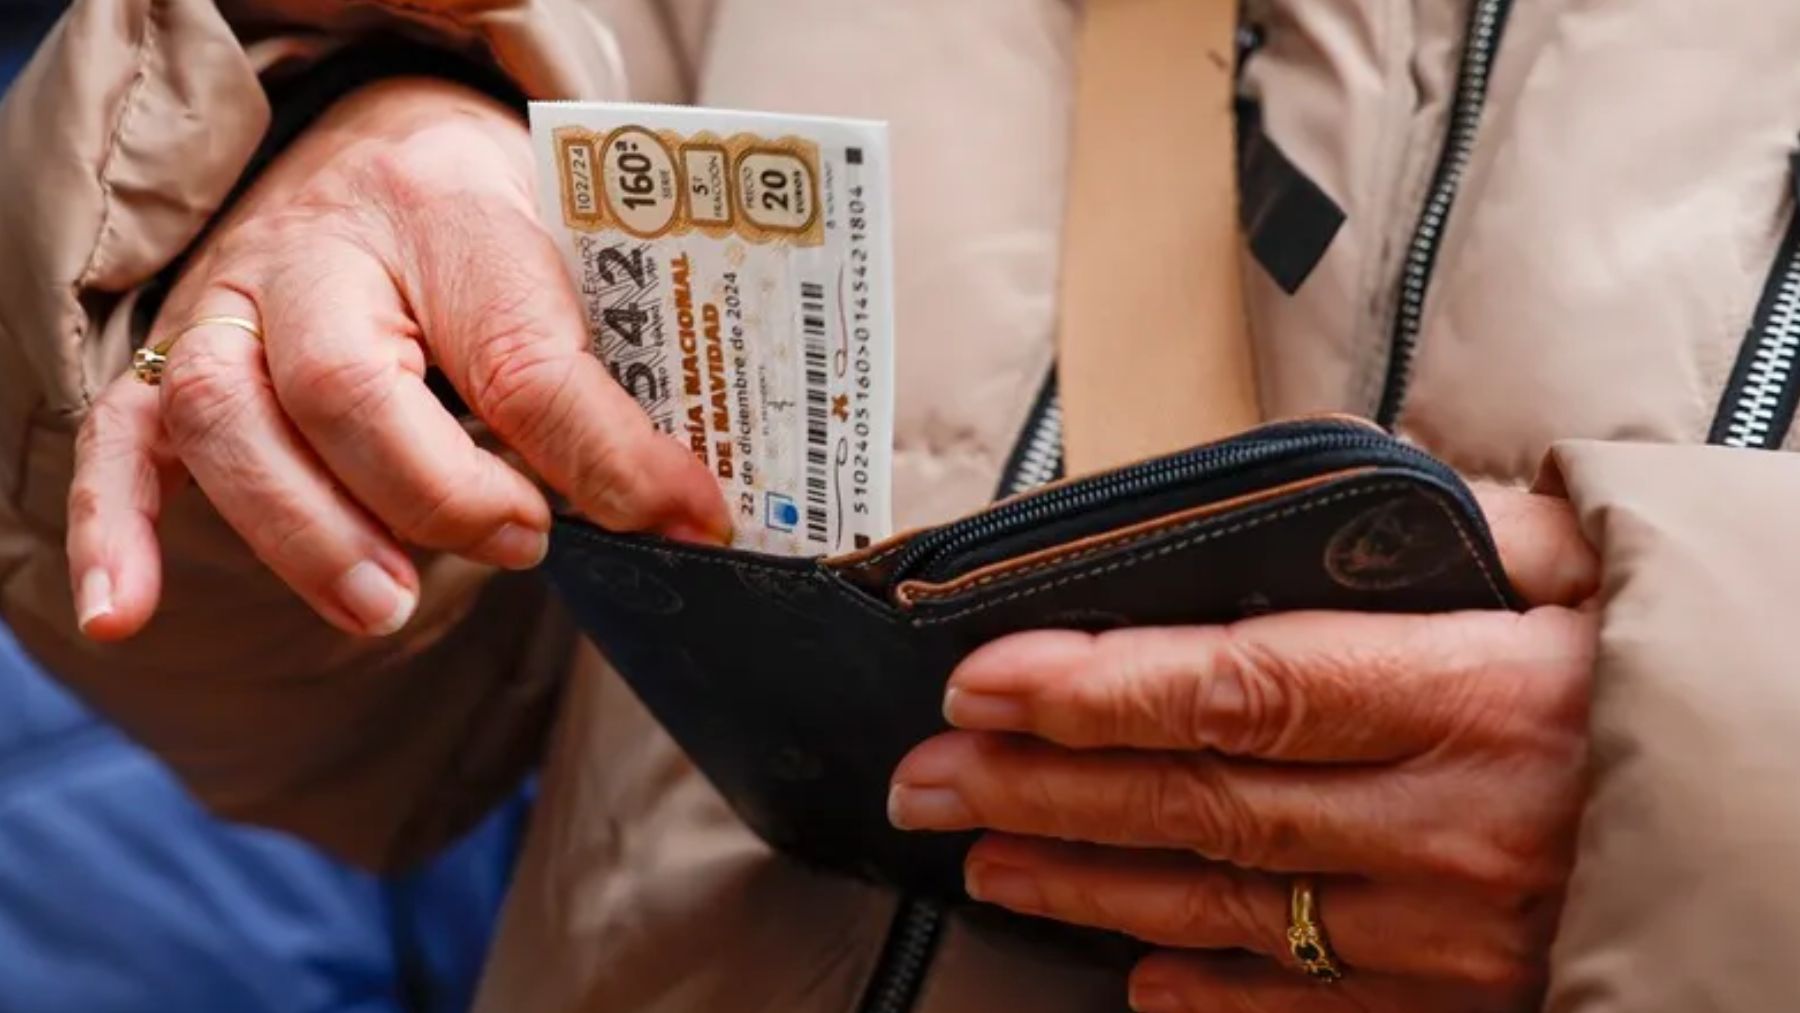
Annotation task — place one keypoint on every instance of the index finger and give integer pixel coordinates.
(1299, 687)
(1541, 545)
(503, 320)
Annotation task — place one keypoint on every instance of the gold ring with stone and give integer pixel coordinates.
(148, 361)
(1306, 935)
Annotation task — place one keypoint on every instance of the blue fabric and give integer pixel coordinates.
(118, 894)
(22, 23)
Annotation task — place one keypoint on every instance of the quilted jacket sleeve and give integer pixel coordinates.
(120, 140)
(1684, 890)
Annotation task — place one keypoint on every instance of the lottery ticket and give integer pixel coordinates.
(735, 269)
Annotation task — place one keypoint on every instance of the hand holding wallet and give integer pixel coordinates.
(796, 685)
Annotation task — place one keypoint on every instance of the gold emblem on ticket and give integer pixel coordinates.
(655, 183)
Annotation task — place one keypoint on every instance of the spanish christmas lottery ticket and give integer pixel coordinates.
(736, 273)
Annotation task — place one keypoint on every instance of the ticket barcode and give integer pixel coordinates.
(818, 411)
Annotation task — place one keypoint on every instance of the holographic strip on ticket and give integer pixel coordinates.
(736, 273)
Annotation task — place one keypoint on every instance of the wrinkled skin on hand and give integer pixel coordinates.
(398, 232)
(1168, 783)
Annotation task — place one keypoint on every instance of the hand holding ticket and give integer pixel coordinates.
(735, 273)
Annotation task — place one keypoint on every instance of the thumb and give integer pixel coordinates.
(1541, 545)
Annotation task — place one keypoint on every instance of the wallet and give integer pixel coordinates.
(796, 685)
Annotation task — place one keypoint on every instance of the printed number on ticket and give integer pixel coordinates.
(735, 269)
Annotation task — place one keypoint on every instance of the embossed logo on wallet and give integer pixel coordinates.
(1396, 544)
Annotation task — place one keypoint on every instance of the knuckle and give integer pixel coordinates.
(616, 487)
(86, 503)
(1249, 705)
(1167, 803)
(1501, 973)
(1515, 863)
(104, 442)
(1510, 961)
(1570, 642)
(103, 433)
(1185, 803)
(398, 173)
(1120, 691)
(287, 540)
(1038, 801)
(336, 396)
(1225, 911)
(201, 394)
(1190, 917)
(518, 384)
(1087, 902)
(449, 512)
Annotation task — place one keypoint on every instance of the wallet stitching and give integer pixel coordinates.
(897, 618)
(1175, 529)
(879, 558)
(942, 593)
(1204, 536)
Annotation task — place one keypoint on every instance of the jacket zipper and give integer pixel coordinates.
(1037, 459)
(1758, 407)
(905, 957)
(1486, 24)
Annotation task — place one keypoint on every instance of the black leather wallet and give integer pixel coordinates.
(796, 685)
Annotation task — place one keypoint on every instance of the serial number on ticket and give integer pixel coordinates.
(735, 270)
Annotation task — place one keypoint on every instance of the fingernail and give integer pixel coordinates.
(1007, 887)
(912, 808)
(1225, 697)
(93, 597)
(983, 711)
(375, 598)
(1154, 999)
(515, 547)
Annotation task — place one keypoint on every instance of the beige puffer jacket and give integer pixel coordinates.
(1575, 278)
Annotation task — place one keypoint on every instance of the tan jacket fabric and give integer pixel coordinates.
(1620, 211)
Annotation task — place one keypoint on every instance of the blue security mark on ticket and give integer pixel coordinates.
(736, 272)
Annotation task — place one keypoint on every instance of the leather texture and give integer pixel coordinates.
(796, 685)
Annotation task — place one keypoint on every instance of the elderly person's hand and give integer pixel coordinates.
(1425, 771)
(397, 233)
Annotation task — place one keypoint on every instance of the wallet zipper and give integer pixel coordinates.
(1288, 440)
(1486, 24)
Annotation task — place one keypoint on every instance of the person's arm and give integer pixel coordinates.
(1683, 895)
(1593, 801)
(123, 139)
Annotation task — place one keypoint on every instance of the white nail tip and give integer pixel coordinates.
(94, 598)
(402, 613)
(376, 598)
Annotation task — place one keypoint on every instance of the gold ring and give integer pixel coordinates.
(1306, 936)
(148, 362)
